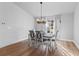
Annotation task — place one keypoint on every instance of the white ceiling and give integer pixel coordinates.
(49, 8)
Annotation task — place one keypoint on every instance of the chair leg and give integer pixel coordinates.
(55, 47)
(52, 48)
(42, 52)
(46, 50)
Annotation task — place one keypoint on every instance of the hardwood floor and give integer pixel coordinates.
(22, 49)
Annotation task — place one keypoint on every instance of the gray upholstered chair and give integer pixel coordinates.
(39, 38)
(41, 42)
(32, 38)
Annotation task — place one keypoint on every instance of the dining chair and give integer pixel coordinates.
(32, 38)
(48, 40)
(41, 41)
(54, 42)
(39, 37)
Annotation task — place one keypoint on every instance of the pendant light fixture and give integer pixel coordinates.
(41, 19)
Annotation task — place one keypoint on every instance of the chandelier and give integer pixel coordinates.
(41, 19)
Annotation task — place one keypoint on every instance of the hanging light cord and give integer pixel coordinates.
(41, 10)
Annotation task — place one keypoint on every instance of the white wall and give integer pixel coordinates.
(76, 24)
(18, 22)
(66, 28)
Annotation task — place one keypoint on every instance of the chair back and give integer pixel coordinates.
(32, 35)
(39, 35)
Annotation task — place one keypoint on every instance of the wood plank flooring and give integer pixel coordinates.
(22, 49)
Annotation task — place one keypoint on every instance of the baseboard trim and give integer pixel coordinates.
(14, 42)
(66, 40)
(77, 45)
